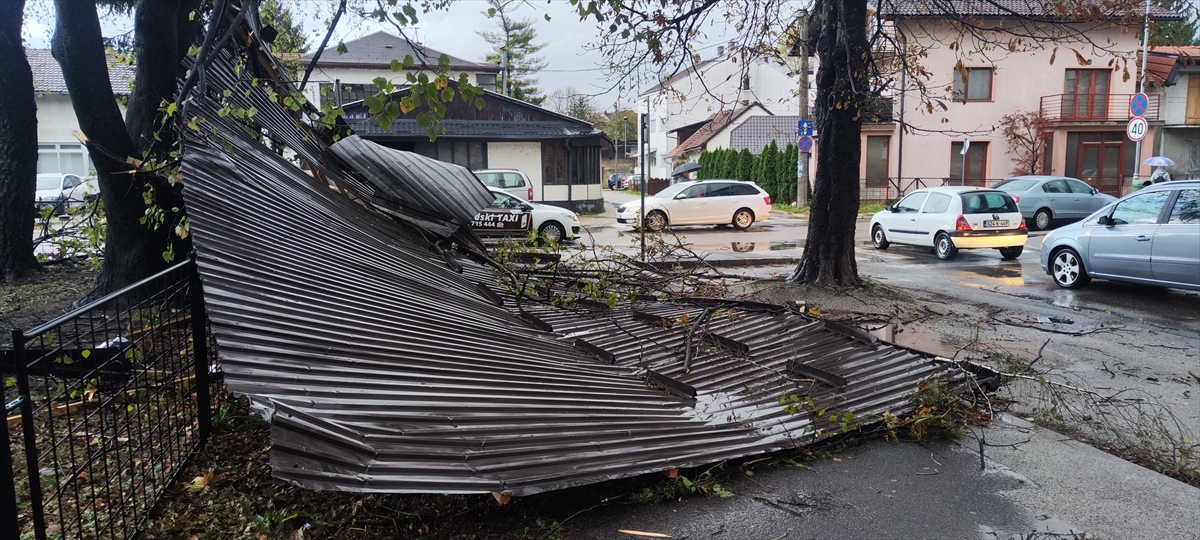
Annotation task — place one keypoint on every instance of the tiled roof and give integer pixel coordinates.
(1161, 69)
(379, 49)
(1188, 56)
(716, 122)
(1044, 9)
(757, 132)
(48, 77)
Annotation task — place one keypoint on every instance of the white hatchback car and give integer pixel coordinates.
(701, 202)
(510, 216)
(952, 218)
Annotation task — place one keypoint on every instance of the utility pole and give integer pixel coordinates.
(803, 161)
(504, 60)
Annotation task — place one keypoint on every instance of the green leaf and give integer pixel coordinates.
(396, 66)
(423, 121)
(444, 63)
(409, 61)
(380, 83)
(491, 12)
(447, 94)
(85, 353)
(341, 48)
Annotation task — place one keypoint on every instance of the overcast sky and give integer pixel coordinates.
(569, 62)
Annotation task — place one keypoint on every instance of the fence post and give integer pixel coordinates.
(200, 350)
(10, 526)
(36, 505)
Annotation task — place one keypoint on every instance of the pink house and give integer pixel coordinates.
(1078, 76)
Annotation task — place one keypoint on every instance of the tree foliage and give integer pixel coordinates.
(289, 35)
(1177, 33)
(516, 37)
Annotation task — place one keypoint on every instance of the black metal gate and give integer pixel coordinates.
(103, 408)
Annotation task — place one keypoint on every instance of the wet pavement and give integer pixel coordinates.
(1109, 337)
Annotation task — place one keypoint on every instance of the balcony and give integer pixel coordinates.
(1094, 108)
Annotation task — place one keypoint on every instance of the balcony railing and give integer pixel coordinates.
(1094, 108)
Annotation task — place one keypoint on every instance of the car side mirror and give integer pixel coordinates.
(1095, 191)
(526, 207)
(680, 196)
(1105, 221)
(891, 209)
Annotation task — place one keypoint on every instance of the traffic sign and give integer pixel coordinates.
(1136, 128)
(1138, 105)
(805, 144)
(804, 128)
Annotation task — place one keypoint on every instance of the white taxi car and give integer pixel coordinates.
(952, 218)
(510, 216)
(702, 202)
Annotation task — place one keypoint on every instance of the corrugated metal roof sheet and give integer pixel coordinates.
(477, 129)
(387, 370)
(415, 179)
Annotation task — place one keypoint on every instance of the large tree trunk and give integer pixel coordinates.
(133, 250)
(18, 147)
(842, 92)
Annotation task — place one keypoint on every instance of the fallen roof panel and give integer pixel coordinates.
(383, 369)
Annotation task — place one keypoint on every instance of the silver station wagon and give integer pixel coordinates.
(1150, 237)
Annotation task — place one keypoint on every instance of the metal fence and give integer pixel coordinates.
(104, 406)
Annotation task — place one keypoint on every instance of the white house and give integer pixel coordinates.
(689, 98)
(58, 149)
(371, 56)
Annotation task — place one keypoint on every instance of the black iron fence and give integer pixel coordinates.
(104, 406)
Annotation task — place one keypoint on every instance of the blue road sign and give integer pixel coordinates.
(804, 128)
(805, 144)
(1138, 104)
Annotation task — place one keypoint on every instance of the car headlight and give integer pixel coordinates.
(574, 217)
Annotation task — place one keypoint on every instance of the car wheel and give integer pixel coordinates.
(878, 239)
(944, 247)
(1010, 253)
(1041, 219)
(1066, 266)
(656, 221)
(552, 232)
(743, 219)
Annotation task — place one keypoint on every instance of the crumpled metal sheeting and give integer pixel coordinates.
(277, 122)
(749, 387)
(380, 346)
(418, 180)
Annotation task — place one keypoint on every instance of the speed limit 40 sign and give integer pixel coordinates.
(1136, 128)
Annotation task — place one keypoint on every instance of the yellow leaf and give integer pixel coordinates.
(1079, 58)
(1053, 54)
(200, 482)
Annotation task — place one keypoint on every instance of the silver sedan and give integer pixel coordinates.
(1150, 237)
(1044, 200)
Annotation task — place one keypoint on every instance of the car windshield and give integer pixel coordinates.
(671, 191)
(1016, 184)
(48, 182)
(987, 202)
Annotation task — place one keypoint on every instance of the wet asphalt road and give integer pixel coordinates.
(912, 267)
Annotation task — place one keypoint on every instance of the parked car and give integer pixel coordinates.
(618, 180)
(633, 181)
(510, 180)
(702, 202)
(1151, 236)
(952, 218)
(1046, 199)
(64, 190)
(510, 216)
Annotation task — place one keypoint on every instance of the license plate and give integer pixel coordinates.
(995, 223)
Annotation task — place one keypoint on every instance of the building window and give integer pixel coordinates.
(877, 161)
(469, 154)
(486, 81)
(973, 84)
(585, 160)
(63, 158)
(969, 169)
(554, 164)
(350, 93)
(1085, 94)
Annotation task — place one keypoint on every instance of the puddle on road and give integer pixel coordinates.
(748, 247)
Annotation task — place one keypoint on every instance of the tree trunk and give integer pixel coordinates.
(133, 250)
(842, 93)
(18, 148)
